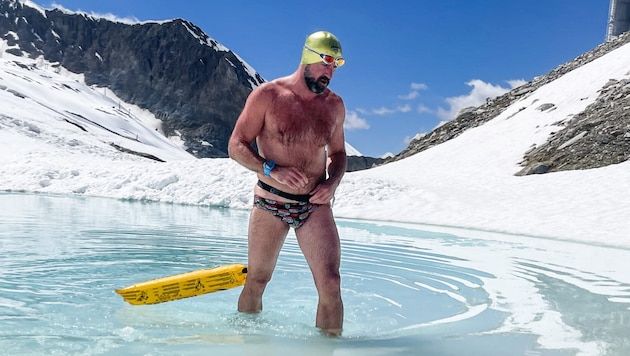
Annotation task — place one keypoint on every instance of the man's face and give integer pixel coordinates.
(317, 76)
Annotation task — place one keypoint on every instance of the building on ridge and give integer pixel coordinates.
(618, 18)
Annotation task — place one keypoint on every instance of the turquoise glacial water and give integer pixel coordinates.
(406, 290)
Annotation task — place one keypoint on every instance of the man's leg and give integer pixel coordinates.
(319, 241)
(265, 238)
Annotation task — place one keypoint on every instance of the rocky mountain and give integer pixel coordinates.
(188, 80)
(196, 86)
(358, 163)
(596, 137)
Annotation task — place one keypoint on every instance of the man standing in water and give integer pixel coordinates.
(297, 124)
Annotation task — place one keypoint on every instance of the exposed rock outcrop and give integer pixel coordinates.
(357, 163)
(597, 137)
(191, 82)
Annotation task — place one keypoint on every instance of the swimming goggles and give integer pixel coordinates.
(327, 58)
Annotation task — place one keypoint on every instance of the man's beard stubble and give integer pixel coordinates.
(318, 85)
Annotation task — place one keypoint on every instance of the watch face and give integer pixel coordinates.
(268, 166)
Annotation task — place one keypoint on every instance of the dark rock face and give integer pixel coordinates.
(173, 69)
(357, 163)
(597, 137)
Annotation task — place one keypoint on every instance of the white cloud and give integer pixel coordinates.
(477, 96)
(515, 83)
(414, 93)
(419, 86)
(423, 109)
(383, 111)
(389, 111)
(354, 122)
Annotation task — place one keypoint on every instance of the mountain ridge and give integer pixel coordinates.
(191, 82)
(197, 87)
(606, 144)
(466, 182)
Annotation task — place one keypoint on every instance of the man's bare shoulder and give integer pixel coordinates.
(335, 101)
(277, 84)
(332, 96)
(269, 90)
(265, 88)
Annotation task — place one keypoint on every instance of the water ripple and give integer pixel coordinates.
(403, 289)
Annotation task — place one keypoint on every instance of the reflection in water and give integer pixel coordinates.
(406, 291)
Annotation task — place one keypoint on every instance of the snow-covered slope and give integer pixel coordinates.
(467, 182)
(47, 101)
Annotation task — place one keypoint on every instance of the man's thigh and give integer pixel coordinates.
(319, 241)
(265, 238)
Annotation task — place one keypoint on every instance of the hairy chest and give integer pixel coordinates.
(293, 122)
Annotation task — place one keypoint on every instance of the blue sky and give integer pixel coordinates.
(409, 64)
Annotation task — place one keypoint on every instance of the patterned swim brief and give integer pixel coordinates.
(294, 214)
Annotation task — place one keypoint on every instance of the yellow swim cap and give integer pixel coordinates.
(321, 42)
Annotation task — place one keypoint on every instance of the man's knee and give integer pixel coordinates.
(258, 281)
(329, 285)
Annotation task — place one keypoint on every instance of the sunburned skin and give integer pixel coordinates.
(295, 133)
(296, 122)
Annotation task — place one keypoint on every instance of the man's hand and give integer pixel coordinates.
(323, 193)
(290, 176)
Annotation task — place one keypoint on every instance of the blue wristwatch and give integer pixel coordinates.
(268, 166)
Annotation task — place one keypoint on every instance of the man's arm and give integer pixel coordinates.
(337, 161)
(247, 128)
